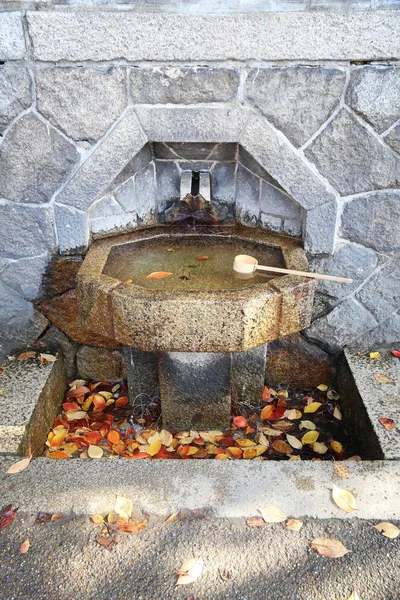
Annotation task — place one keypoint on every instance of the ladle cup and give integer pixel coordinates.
(246, 265)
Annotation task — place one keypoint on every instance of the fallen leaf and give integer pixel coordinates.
(203, 257)
(272, 514)
(322, 387)
(282, 447)
(130, 526)
(307, 425)
(294, 442)
(320, 448)
(312, 408)
(354, 596)
(235, 452)
(294, 524)
(113, 437)
(122, 401)
(166, 437)
(341, 470)
(254, 522)
(97, 519)
(310, 437)
(270, 431)
(329, 547)
(292, 414)
(81, 390)
(388, 530)
(381, 378)
(179, 516)
(266, 394)
(267, 411)
(396, 353)
(240, 422)
(245, 443)
(26, 355)
(123, 507)
(159, 275)
(344, 499)
(107, 540)
(24, 547)
(374, 355)
(7, 515)
(95, 452)
(190, 571)
(337, 414)
(56, 517)
(19, 466)
(154, 448)
(336, 446)
(46, 358)
(387, 423)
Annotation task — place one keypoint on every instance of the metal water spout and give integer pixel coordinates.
(195, 199)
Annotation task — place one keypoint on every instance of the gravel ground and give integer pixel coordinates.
(64, 561)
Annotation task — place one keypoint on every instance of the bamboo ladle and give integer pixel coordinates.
(245, 265)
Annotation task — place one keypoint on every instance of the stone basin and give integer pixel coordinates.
(202, 307)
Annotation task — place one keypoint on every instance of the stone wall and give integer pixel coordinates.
(95, 106)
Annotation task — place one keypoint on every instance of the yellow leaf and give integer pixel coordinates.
(344, 499)
(224, 456)
(260, 449)
(322, 387)
(294, 442)
(245, 443)
(172, 518)
(320, 448)
(192, 450)
(95, 451)
(98, 519)
(283, 394)
(106, 395)
(337, 414)
(113, 517)
(336, 446)
(329, 547)
(388, 530)
(156, 437)
(294, 524)
(354, 596)
(272, 514)
(374, 354)
(19, 466)
(190, 571)
(154, 448)
(24, 547)
(312, 408)
(292, 414)
(123, 507)
(310, 437)
(381, 378)
(307, 425)
(165, 437)
(295, 457)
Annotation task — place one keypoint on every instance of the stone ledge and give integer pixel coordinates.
(77, 36)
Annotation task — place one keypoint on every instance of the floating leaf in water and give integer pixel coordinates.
(329, 547)
(282, 447)
(381, 378)
(307, 425)
(320, 448)
(387, 423)
(388, 530)
(344, 499)
(158, 275)
(266, 394)
(267, 411)
(190, 571)
(337, 414)
(336, 446)
(203, 257)
(26, 355)
(272, 514)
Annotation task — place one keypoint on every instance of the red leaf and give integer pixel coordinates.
(70, 406)
(7, 516)
(396, 353)
(122, 401)
(279, 412)
(387, 423)
(240, 421)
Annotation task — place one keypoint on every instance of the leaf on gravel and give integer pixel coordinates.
(107, 540)
(344, 499)
(158, 275)
(46, 358)
(19, 466)
(354, 596)
(95, 452)
(190, 571)
(130, 526)
(56, 517)
(123, 507)
(387, 423)
(7, 515)
(294, 442)
(341, 470)
(374, 355)
(240, 422)
(26, 355)
(179, 516)
(329, 547)
(312, 408)
(97, 519)
(254, 522)
(388, 530)
(294, 524)
(381, 378)
(225, 574)
(24, 547)
(272, 514)
(310, 437)
(396, 353)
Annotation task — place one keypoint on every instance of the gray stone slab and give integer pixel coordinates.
(254, 166)
(297, 100)
(365, 401)
(352, 158)
(386, 334)
(12, 39)
(168, 187)
(25, 276)
(142, 375)
(372, 220)
(356, 262)
(15, 92)
(31, 397)
(374, 93)
(102, 167)
(55, 341)
(271, 223)
(393, 138)
(81, 101)
(248, 376)
(229, 488)
(223, 189)
(34, 161)
(100, 364)
(293, 227)
(320, 229)
(140, 160)
(345, 323)
(125, 195)
(72, 228)
(247, 197)
(183, 85)
(381, 294)
(277, 156)
(196, 124)
(274, 202)
(100, 36)
(145, 195)
(195, 390)
(26, 230)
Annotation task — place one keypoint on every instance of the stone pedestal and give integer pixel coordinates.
(197, 389)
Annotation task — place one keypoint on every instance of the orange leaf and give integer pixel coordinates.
(154, 448)
(24, 547)
(113, 437)
(235, 452)
(240, 422)
(159, 275)
(99, 402)
(59, 454)
(79, 391)
(203, 257)
(58, 439)
(266, 394)
(282, 447)
(267, 411)
(26, 355)
(122, 401)
(70, 406)
(387, 423)
(130, 526)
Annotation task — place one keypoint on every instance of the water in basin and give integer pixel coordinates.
(196, 263)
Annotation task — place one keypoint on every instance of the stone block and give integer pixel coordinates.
(113, 224)
(276, 155)
(246, 159)
(223, 152)
(297, 297)
(195, 390)
(26, 230)
(100, 36)
(61, 275)
(12, 39)
(320, 229)
(35, 392)
(20, 323)
(34, 161)
(183, 85)
(271, 223)
(55, 341)
(167, 187)
(275, 202)
(374, 93)
(386, 334)
(352, 261)
(15, 92)
(393, 138)
(352, 158)
(81, 101)
(297, 362)
(63, 311)
(142, 375)
(223, 191)
(345, 323)
(297, 100)
(247, 197)
(99, 171)
(372, 220)
(293, 227)
(140, 160)
(25, 276)
(195, 123)
(100, 364)
(145, 195)
(72, 228)
(125, 195)
(381, 294)
(107, 206)
(248, 376)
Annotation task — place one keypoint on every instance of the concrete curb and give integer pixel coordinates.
(226, 488)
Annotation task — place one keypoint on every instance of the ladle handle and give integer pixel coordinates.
(303, 273)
